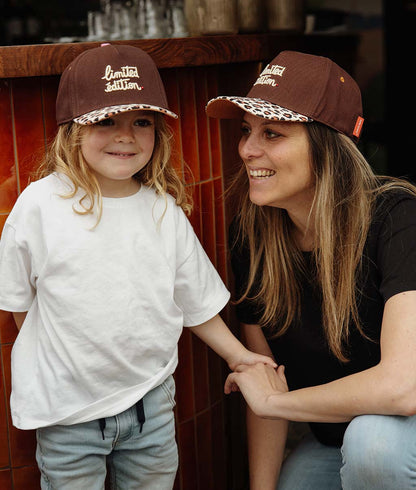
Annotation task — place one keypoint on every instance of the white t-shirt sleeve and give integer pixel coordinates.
(199, 290)
(16, 290)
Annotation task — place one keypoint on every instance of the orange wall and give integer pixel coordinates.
(27, 122)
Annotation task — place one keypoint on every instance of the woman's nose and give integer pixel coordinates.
(249, 147)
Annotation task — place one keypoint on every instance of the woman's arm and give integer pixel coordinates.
(388, 388)
(266, 438)
(219, 337)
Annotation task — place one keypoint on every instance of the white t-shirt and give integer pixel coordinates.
(106, 305)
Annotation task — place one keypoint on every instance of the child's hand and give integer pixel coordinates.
(248, 357)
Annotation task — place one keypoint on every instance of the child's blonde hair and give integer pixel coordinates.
(65, 156)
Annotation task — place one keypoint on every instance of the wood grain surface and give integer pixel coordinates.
(51, 59)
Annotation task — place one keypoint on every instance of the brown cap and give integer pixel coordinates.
(299, 87)
(105, 81)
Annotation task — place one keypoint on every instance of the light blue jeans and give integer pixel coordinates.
(76, 457)
(378, 453)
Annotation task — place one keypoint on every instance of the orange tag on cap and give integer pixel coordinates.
(358, 126)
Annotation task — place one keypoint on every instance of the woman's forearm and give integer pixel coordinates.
(266, 446)
(373, 391)
(386, 389)
(266, 438)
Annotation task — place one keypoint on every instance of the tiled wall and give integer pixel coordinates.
(27, 108)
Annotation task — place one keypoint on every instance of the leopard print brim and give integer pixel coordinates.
(261, 108)
(101, 114)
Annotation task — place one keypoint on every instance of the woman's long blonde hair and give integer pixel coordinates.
(343, 204)
(65, 156)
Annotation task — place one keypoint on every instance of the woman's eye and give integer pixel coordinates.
(245, 130)
(271, 134)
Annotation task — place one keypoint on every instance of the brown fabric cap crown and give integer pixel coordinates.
(107, 80)
(301, 87)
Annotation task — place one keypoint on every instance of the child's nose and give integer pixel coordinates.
(124, 133)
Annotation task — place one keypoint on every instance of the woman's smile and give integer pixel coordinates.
(260, 173)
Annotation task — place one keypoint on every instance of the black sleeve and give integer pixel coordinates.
(396, 249)
(247, 311)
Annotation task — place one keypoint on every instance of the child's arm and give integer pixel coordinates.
(217, 335)
(19, 318)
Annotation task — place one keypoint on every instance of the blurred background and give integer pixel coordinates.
(383, 67)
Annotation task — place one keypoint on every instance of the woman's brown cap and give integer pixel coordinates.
(299, 87)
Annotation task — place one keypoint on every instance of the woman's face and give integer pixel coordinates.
(277, 158)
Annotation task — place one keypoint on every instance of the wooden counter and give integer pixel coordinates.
(51, 59)
(210, 430)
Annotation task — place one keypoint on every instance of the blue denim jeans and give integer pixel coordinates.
(77, 457)
(378, 453)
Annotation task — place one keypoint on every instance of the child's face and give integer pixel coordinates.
(117, 148)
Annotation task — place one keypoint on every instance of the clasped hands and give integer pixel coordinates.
(260, 384)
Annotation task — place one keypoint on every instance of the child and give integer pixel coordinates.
(102, 269)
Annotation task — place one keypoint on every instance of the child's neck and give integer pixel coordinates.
(119, 188)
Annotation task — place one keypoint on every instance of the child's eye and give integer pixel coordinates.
(105, 122)
(143, 122)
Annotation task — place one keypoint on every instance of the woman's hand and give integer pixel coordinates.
(260, 384)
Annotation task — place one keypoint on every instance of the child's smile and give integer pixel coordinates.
(117, 148)
(121, 155)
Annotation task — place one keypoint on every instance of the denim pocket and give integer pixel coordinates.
(169, 388)
(44, 480)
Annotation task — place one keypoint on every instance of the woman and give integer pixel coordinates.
(324, 256)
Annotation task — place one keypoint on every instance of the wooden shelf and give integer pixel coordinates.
(51, 59)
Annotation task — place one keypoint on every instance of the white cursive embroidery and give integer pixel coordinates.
(122, 85)
(267, 73)
(125, 72)
(120, 80)
(274, 70)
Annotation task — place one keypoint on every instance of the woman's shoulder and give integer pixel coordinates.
(395, 209)
(393, 197)
(235, 241)
(238, 245)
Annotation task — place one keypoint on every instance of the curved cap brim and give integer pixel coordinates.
(106, 112)
(227, 107)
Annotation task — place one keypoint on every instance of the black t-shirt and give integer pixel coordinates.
(389, 267)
